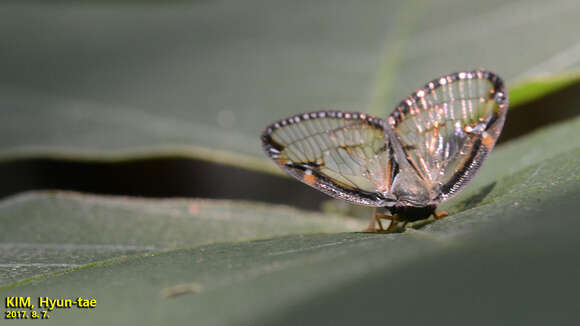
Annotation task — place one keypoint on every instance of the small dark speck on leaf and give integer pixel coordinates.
(181, 289)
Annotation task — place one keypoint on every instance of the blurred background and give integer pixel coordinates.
(168, 99)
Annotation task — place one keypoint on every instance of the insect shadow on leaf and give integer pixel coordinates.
(476, 198)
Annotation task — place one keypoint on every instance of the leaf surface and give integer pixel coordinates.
(494, 254)
(45, 232)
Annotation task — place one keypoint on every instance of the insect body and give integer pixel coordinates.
(424, 153)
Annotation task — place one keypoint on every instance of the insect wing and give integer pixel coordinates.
(344, 154)
(447, 128)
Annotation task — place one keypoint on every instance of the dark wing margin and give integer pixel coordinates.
(448, 127)
(343, 154)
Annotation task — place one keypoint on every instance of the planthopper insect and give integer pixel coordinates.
(421, 155)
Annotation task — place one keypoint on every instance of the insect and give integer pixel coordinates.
(421, 155)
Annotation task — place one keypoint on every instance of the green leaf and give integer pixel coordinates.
(44, 232)
(509, 249)
(201, 79)
(532, 89)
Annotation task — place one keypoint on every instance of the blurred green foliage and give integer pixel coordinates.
(99, 80)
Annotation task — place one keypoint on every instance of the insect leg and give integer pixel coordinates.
(394, 222)
(376, 219)
(440, 215)
(372, 224)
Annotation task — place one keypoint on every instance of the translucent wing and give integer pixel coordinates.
(447, 128)
(344, 154)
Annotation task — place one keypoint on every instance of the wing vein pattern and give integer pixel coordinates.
(447, 128)
(343, 154)
(424, 153)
